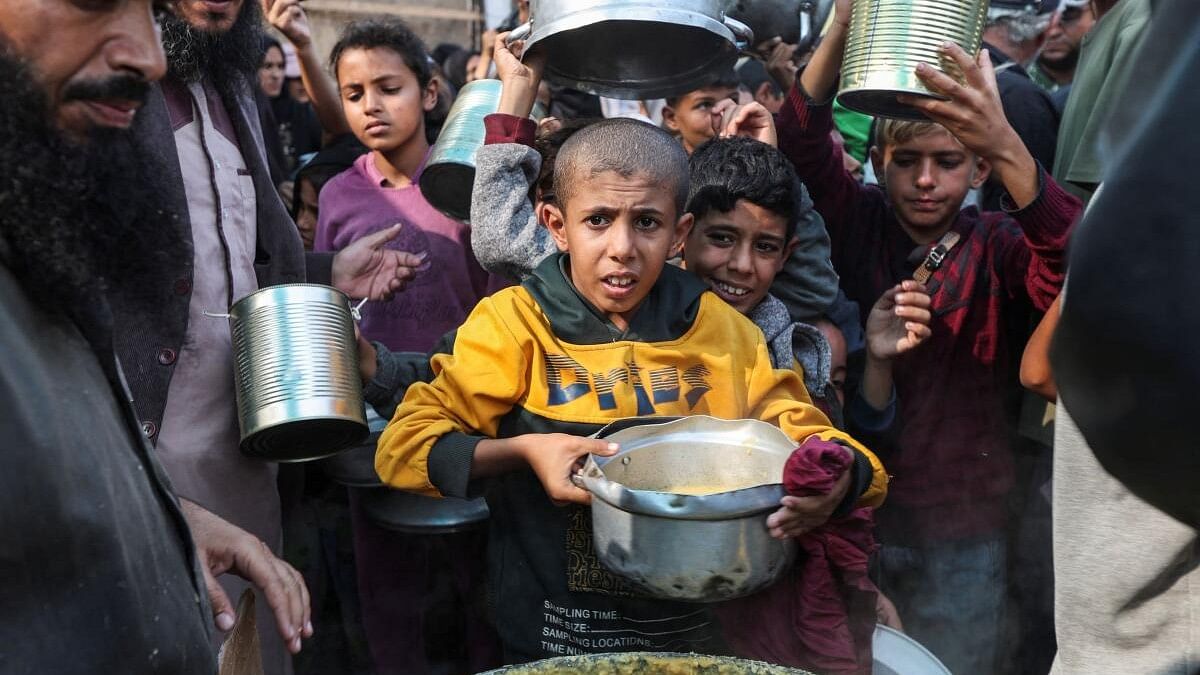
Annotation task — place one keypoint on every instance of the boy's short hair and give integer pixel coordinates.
(725, 78)
(888, 131)
(390, 34)
(548, 144)
(627, 146)
(725, 170)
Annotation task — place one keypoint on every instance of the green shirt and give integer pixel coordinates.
(1105, 65)
(855, 128)
(1041, 79)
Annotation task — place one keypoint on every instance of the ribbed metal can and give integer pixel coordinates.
(888, 38)
(299, 393)
(449, 174)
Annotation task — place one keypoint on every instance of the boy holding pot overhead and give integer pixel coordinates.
(601, 331)
(943, 549)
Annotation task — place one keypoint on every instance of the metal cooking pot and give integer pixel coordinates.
(299, 395)
(449, 175)
(686, 547)
(645, 663)
(410, 513)
(797, 22)
(634, 50)
(888, 38)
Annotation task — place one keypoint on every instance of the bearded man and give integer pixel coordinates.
(98, 570)
(201, 138)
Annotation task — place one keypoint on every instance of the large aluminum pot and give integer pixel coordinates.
(449, 174)
(299, 395)
(797, 22)
(634, 49)
(696, 548)
(646, 663)
(888, 38)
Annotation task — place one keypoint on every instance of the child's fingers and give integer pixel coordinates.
(912, 313)
(913, 299)
(603, 448)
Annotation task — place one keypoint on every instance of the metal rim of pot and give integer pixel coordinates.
(720, 506)
(735, 33)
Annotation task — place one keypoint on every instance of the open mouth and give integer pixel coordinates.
(728, 292)
(619, 285)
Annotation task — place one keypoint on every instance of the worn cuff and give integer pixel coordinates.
(449, 464)
(1050, 203)
(860, 482)
(318, 268)
(865, 418)
(504, 128)
(809, 115)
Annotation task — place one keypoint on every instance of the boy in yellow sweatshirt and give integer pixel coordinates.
(602, 331)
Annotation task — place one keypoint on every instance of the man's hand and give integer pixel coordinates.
(289, 18)
(555, 458)
(899, 321)
(520, 80)
(751, 120)
(975, 116)
(223, 547)
(368, 269)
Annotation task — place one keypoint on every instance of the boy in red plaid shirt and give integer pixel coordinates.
(943, 555)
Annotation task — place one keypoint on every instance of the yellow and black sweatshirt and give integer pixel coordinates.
(538, 358)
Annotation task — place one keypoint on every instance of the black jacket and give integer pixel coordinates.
(97, 568)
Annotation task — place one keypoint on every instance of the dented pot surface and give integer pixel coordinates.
(697, 548)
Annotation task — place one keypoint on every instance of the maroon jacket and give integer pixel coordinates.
(950, 462)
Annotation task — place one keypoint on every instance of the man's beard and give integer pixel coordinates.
(1063, 64)
(78, 217)
(223, 56)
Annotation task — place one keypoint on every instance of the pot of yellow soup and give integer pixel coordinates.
(681, 509)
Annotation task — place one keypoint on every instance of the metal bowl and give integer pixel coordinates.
(634, 50)
(894, 653)
(695, 548)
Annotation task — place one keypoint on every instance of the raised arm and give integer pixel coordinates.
(851, 211)
(289, 17)
(505, 234)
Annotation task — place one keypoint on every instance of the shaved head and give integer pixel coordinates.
(627, 147)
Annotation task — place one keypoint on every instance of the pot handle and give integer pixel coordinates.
(519, 33)
(743, 37)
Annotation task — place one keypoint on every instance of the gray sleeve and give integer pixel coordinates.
(807, 285)
(505, 235)
(394, 372)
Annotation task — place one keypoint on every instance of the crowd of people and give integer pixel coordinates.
(888, 293)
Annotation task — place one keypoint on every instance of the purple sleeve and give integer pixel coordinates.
(1037, 263)
(804, 136)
